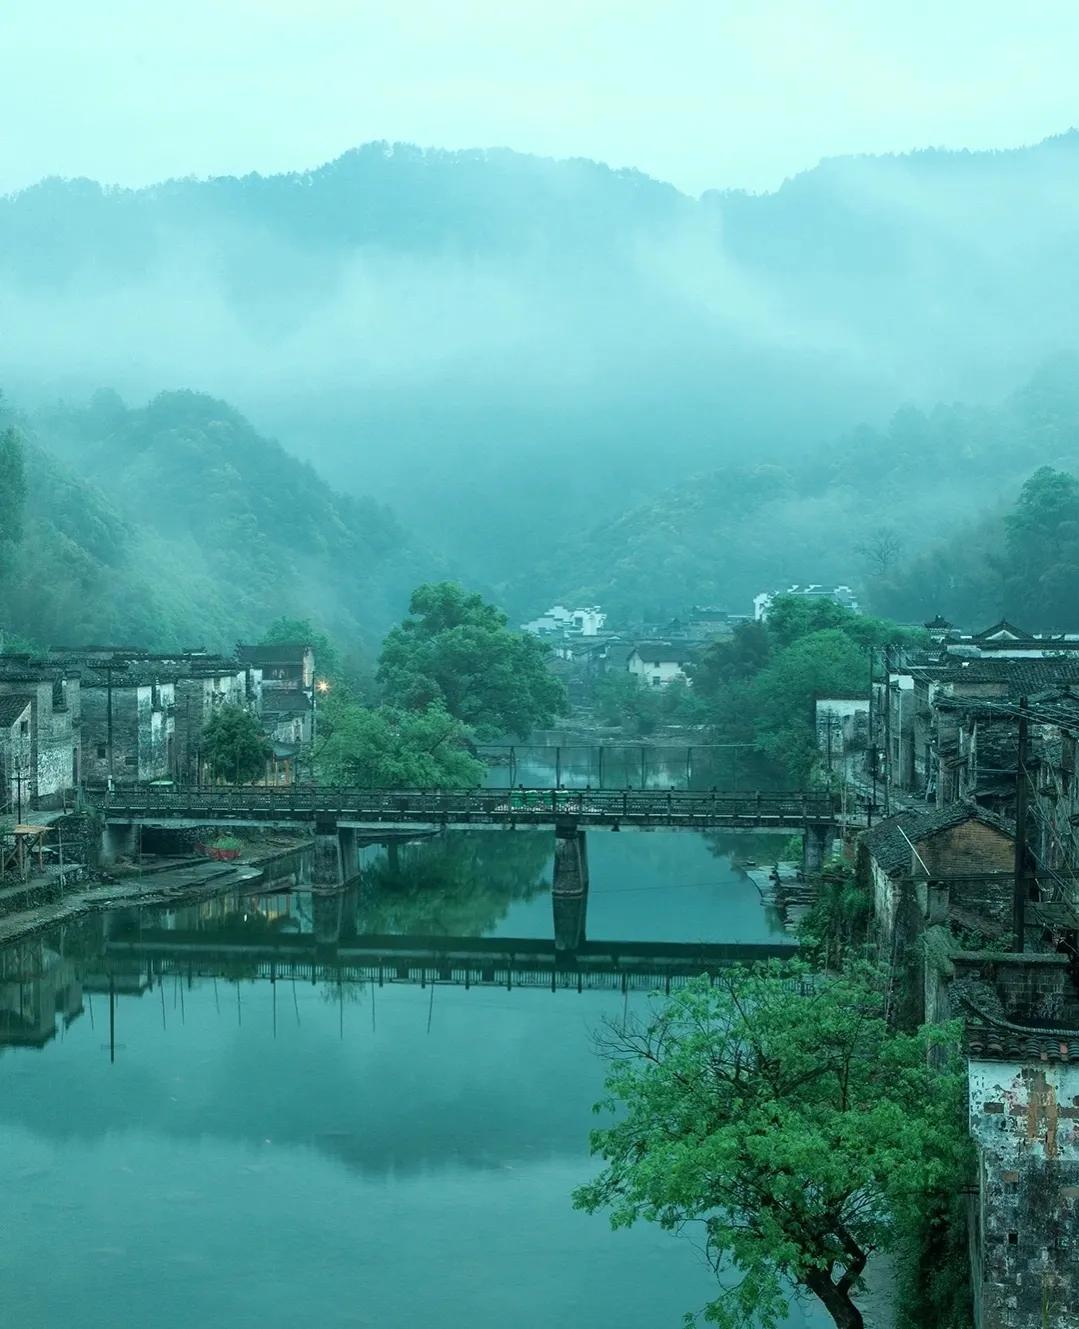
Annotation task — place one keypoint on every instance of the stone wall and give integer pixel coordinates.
(1024, 1120)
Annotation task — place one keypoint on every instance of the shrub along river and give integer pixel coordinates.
(184, 1147)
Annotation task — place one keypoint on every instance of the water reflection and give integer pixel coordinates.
(272, 1152)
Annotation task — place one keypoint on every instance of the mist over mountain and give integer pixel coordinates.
(513, 352)
(176, 524)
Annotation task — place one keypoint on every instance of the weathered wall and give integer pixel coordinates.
(143, 725)
(1024, 1120)
(970, 847)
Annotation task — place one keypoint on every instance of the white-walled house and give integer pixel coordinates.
(842, 595)
(563, 622)
(658, 663)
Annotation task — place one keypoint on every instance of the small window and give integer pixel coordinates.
(24, 727)
(131, 761)
(102, 750)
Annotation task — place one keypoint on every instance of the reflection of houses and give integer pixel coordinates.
(52, 771)
(658, 663)
(37, 986)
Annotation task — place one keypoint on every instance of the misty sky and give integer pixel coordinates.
(705, 93)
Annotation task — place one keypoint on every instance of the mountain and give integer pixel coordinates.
(508, 349)
(888, 510)
(176, 523)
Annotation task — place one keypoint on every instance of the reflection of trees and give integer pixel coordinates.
(460, 884)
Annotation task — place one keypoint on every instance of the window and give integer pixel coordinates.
(24, 727)
(102, 750)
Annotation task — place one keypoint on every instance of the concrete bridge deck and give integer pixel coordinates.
(363, 809)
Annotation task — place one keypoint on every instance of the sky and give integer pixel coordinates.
(703, 93)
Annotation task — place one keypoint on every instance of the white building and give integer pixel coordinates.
(658, 663)
(559, 621)
(842, 595)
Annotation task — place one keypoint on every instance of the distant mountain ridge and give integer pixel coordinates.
(511, 351)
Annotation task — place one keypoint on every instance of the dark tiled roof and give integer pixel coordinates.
(1002, 627)
(1022, 677)
(990, 1038)
(281, 652)
(12, 707)
(892, 852)
(653, 652)
(284, 701)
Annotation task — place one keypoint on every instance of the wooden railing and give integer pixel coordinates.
(523, 806)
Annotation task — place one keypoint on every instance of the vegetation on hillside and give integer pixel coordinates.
(176, 524)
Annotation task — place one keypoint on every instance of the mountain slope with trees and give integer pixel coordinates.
(177, 523)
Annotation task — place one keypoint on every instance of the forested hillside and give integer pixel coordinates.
(177, 524)
(511, 350)
(894, 512)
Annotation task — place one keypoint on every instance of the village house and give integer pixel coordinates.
(658, 664)
(842, 725)
(950, 719)
(901, 855)
(52, 773)
(558, 621)
(128, 723)
(15, 720)
(841, 595)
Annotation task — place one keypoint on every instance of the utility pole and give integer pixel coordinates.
(108, 704)
(872, 754)
(887, 730)
(1020, 884)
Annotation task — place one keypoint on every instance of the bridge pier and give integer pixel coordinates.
(328, 914)
(816, 843)
(328, 858)
(569, 893)
(118, 840)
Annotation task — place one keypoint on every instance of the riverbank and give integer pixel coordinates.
(171, 884)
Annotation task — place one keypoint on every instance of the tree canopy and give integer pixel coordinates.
(778, 1111)
(389, 748)
(233, 745)
(456, 651)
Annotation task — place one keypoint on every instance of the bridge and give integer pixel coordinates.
(344, 819)
(464, 961)
(363, 809)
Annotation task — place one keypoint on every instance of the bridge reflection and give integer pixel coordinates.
(464, 961)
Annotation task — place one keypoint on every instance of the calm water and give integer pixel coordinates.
(304, 1153)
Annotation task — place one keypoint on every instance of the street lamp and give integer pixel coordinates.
(322, 686)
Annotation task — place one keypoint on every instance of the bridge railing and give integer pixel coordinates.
(475, 804)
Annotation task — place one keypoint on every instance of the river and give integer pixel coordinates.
(261, 1156)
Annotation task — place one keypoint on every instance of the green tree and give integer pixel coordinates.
(777, 1110)
(234, 745)
(784, 693)
(301, 630)
(731, 659)
(387, 748)
(622, 699)
(1042, 532)
(12, 497)
(455, 650)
